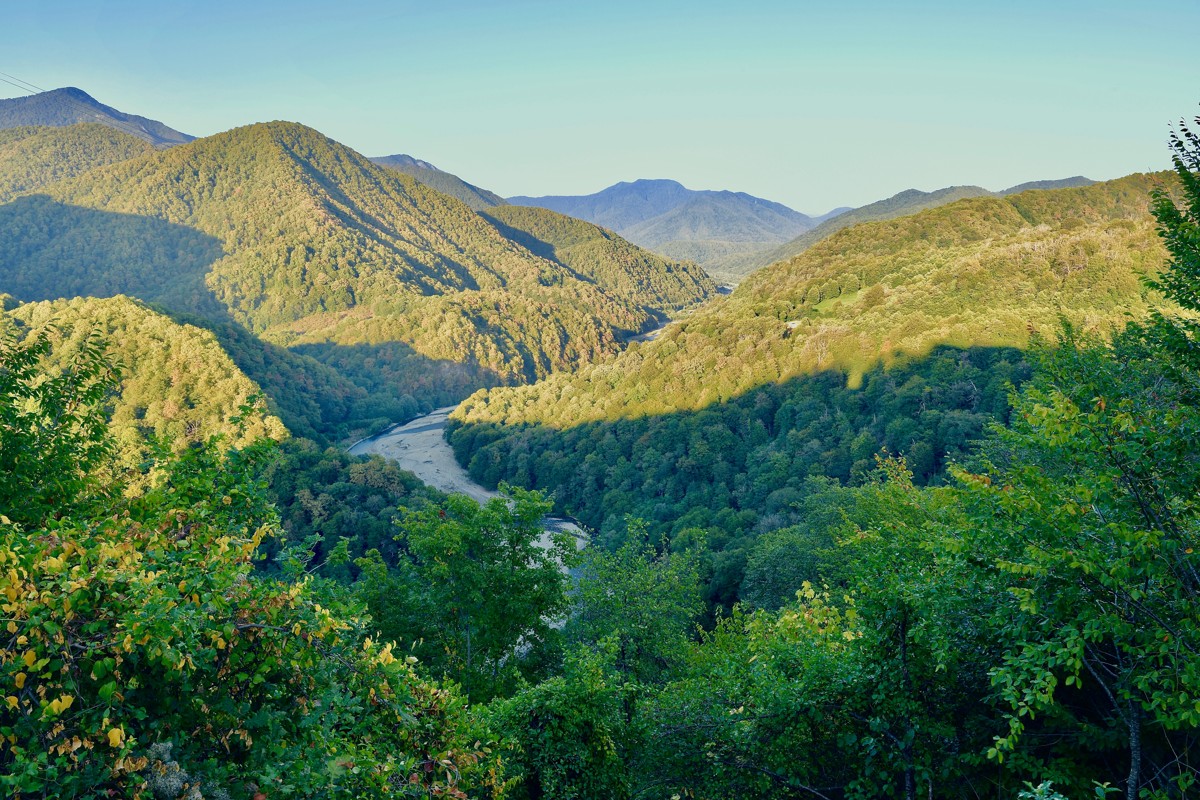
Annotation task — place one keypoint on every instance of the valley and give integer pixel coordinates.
(327, 475)
(419, 446)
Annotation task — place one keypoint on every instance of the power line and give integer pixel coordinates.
(26, 85)
(104, 119)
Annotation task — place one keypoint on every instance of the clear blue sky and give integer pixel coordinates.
(811, 104)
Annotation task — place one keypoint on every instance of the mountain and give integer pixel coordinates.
(444, 182)
(32, 157)
(68, 106)
(983, 270)
(666, 217)
(897, 333)
(176, 380)
(309, 245)
(830, 215)
(1062, 183)
(599, 255)
(909, 201)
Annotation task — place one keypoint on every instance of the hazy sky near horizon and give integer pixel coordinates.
(814, 105)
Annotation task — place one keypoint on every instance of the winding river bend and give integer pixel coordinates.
(421, 448)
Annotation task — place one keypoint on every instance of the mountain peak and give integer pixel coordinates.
(402, 160)
(666, 217)
(74, 92)
(70, 105)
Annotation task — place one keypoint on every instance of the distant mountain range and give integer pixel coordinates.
(670, 219)
(68, 106)
(444, 182)
(907, 202)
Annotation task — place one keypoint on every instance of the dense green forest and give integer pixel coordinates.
(146, 656)
(600, 256)
(177, 384)
(33, 157)
(911, 515)
(985, 271)
(814, 366)
(398, 290)
(1026, 628)
(306, 228)
(910, 201)
(730, 472)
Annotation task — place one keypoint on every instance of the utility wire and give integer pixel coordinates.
(104, 119)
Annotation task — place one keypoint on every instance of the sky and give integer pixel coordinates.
(814, 105)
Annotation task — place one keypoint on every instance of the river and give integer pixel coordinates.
(420, 447)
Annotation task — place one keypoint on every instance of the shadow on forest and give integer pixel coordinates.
(53, 250)
(733, 470)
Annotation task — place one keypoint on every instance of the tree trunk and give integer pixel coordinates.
(1135, 751)
(910, 775)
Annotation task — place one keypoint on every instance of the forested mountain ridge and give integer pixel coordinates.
(894, 336)
(910, 201)
(68, 106)
(981, 271)
(666, 217)
(445, 182)
(306, 242)
(35, 156)
(176, 383)
(600, 256)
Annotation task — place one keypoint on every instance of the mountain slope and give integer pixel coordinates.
(895, 334)
(444, 182)
(981, 271)
(666, 217)
(600, 256)
(307, 242)
(907, 202)
(68, 106)
(33, 157)
(177, 382)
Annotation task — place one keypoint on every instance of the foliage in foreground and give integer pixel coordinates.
(1030, 629)
(142, 655)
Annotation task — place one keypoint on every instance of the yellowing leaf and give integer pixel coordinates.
(116, 737)
(12, 701)
(61, 704)
(19, 680)
(30, 658)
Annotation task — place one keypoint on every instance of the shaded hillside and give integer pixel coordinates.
(600, 256)
(907, 202)
(32, 157)
(736, 469)
(176, 380)
(444, 182)
(330, 393)
(305, 241)
(68, 106)
(666, 217)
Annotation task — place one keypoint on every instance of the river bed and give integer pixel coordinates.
(420, 447)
